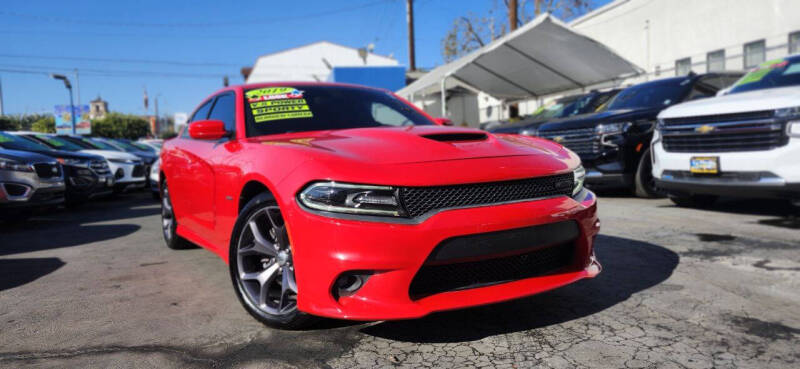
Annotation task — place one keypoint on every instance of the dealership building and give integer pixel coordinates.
(663, 38)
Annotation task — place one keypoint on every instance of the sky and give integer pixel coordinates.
(179, 51)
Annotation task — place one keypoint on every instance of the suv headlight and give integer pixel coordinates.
(793, 125)
(74, 162)
(124, 161)
(529, 132)
(579, 175)
(8, 164)
(612, 128)
(352, 198)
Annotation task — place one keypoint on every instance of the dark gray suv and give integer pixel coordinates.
(28, 181)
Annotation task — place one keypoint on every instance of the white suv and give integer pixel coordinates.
(745, 142)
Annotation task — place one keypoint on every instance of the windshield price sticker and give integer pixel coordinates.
(762, 70)
(277, 103)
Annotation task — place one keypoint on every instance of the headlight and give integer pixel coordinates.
(7, 164)
(123, 161)
(351, 198)
(156, 167)
(529, 132)
(579, 176)
(612, 128)
(659, 124)
(793, 112)
(74, 162)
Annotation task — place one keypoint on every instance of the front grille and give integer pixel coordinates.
(100, 167)
(44, 170)
(581, 141)
(754, 131)
(432, 279)
(421, 200)
(138, 171)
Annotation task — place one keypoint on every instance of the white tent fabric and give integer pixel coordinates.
(540, 58)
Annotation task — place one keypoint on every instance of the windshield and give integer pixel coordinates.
(126, 146)
(60, 143)
(274, 110)
(651, 94)
(14, 142)
(771, 74)
(141, 147)
(97, 144)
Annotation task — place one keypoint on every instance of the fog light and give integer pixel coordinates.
(119, 173)
(349, 283)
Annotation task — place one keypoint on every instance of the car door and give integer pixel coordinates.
(204, 157)
(180, 166)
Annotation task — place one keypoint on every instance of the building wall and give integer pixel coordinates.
(311, 62)
(654, 34)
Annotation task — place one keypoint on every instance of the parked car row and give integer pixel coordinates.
(42, 170)
(693, 138)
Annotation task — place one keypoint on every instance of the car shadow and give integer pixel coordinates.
(17, 272)
(629, 266)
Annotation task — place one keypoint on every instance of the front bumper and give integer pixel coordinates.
(392, 254)
(769, 173)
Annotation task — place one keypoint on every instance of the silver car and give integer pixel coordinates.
(28, 181)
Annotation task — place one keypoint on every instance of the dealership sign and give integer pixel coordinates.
(64, 120)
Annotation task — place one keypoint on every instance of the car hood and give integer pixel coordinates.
(108, 154)
(417, 144)
(593, 119)
(766, 99)
(25, 156)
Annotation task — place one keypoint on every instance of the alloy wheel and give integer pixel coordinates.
(264, 263)
(167, 216)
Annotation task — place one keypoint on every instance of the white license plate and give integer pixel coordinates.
(704, 164)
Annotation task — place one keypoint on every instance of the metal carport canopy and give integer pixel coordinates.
(540, 58)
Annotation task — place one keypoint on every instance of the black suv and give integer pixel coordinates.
(614, 144)
(86, 176)
(564, 107)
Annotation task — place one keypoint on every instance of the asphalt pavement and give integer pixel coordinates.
(681, 288)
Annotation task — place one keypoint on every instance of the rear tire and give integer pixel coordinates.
(694, 201)
(261, 266)
(644, 181)
(169, 224)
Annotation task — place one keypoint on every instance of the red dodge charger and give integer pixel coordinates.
(349, 202)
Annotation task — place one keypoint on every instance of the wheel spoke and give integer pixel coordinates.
(274, 216)
(265, 279)
(262, 245)
(289, 284)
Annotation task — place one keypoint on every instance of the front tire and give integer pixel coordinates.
(261, 265)
(644, 181)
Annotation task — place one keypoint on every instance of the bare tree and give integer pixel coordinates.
(471, 32)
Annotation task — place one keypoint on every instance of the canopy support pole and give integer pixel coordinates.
(444, 95)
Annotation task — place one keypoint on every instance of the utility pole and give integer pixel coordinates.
(64, 78)
(412, 62)
(512, 15)
(1, 97)
(78, 87)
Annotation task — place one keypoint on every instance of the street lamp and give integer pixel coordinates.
(69, 87)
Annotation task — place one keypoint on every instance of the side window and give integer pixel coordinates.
(225, 110)
(200, 114)
(704, 87)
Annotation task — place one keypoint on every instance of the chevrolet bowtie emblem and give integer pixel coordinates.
(704, 129)
(558, 138)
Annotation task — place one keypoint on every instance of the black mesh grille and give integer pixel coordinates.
(432, 279)
(138, 171)
(580, 140)
(47, 170)
(420, 200)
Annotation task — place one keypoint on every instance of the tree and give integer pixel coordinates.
(118, 125)
(46, 124)
(472, 32)
(8, 123)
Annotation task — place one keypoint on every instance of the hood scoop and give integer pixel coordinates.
(456, 136)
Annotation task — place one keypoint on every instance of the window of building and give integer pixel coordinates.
(754, 53)
(794, 42)
(715, 61)
(683, 66)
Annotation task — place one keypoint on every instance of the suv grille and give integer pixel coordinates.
(138, 171)
(753, 131)
(432, 279)
(100, 167)
(44, 170)
(581, 141)
(420, 200)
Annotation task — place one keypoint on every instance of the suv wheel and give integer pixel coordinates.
(694, 201)
(644, 181)
(261, 265)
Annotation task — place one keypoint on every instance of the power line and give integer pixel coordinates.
(134, 61)
(262, 20)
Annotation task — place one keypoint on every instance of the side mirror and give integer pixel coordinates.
(443, 121)
(207, 130)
